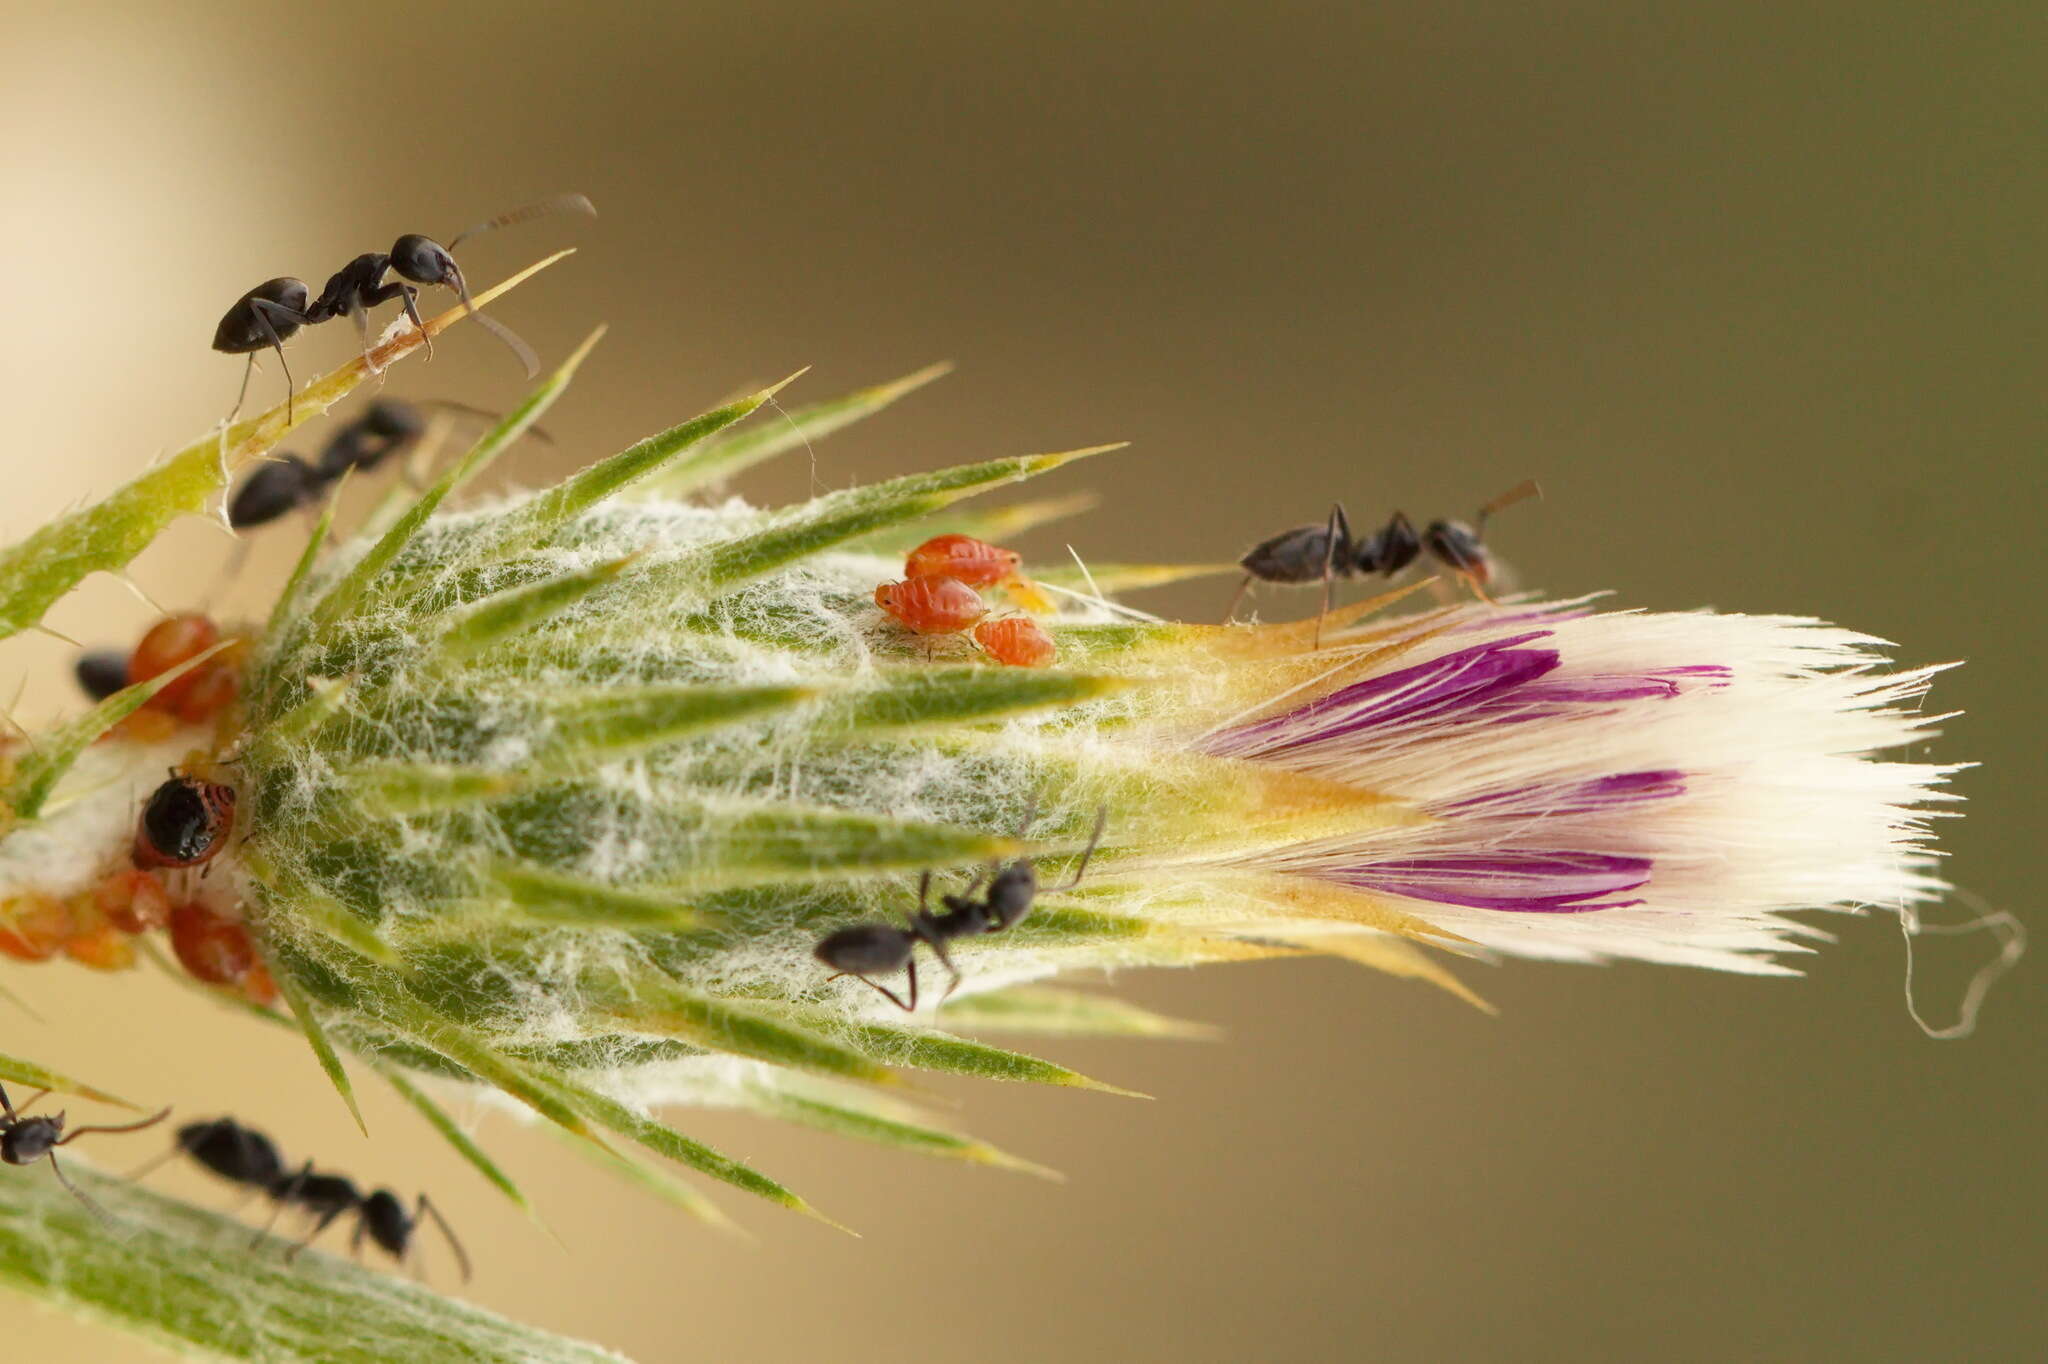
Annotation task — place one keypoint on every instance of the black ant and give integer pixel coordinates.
(185, 822)
(245, 1156)
(269, 314)
(23, 1141)
(287, 482)
(864, 950)
(1324, 553)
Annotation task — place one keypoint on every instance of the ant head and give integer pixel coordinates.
(387, 1221)
(425, 261)
(30, 1139)
(1459, 547)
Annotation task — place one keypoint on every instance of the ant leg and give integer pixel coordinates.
(241, 396)
(261, 309)
(150, 1165)
(1101, 821)
(361, 318)
(887, 993)
(78, 1132)
(946, 960)
(1337, 519)
(1237, 597)
(326, 1221)
(410, 297)
(910, 970)
(31, 1102)
(426, 1205)
(283, 1193)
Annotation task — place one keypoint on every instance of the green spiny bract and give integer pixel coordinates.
(559, 793)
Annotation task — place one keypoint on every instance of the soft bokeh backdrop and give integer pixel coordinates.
(1756, 290)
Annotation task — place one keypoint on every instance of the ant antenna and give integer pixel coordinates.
(495, 327)
(78, 1132)
(1521, 492)
(539, 208)
(106, 1218)
(426, 1205)
(560, 203)
(1101, 822)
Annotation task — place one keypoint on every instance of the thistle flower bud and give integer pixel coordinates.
(558, 794)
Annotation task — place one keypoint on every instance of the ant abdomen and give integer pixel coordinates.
(865, 949)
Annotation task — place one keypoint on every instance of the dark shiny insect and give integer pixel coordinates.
(185, 822)
(269, 314)
(875, 949)
(421, 261)
(24, 1141)
(1330, 551)
(246, 1157)
(287, 482)
(386, 428)
(101, 672)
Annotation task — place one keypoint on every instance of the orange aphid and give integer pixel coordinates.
(214, 686)
(932, 606)
(1018, 641)
(974, 562)
(258, 987)
(214, 949)
(146, 726)
(34, 927)
(200, 694)
(978, 564)
(105, 948)
(133, 901)
(171, 641)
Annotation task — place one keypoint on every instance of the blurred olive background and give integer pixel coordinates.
(1756, 290)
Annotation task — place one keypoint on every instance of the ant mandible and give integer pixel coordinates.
(269, 314)
(24, 1141)
(1324, 553)
(871, 949)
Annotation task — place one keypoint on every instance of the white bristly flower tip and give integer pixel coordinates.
(1665, 787)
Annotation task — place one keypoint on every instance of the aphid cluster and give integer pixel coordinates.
(1323, 553)
(938, 596)
(864, 951)
(246, 1157)
(269, 314)
(185, 823)
(23, 1141)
